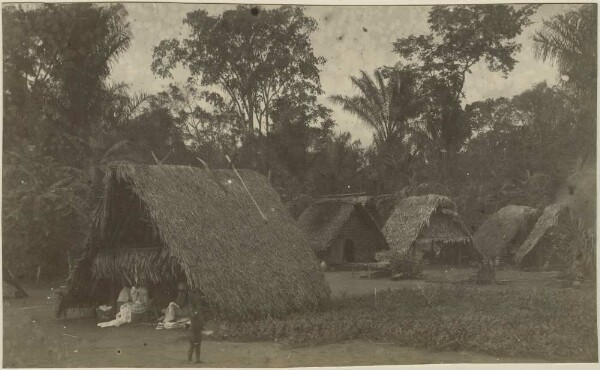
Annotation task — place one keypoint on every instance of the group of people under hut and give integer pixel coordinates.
(135, 304)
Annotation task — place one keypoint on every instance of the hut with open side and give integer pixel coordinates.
(159, 225)
(342, 232)
(429, 225)
(547, 244)
(501, 234)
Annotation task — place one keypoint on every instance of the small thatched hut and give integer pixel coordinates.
(503, 232)
(159, 225)
(548, 242)
(342, 232)
(430, 225)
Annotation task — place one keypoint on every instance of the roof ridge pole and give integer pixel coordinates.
(245, 187)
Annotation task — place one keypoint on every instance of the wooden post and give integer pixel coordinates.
(37, 278)
(375, 297)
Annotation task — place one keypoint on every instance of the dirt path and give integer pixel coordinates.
(34, 338)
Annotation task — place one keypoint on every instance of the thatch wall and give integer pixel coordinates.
(327, 222)
(246, 267)
(427, 218)
(146, 265)
(503, 232)
(548, 233)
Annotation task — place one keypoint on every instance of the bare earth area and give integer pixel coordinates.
(33, 337)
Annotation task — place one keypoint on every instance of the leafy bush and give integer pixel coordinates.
(408, 265)
(581, 263)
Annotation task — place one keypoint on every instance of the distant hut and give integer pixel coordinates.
(160, 225)
(548, 243)
(429, 225)
(342, 232)
(503, 232)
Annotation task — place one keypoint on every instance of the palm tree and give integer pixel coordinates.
(386, 102)
(569, 40)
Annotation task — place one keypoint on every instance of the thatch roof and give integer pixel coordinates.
(413, 216)
(507, 227)
(323, 221)
(553, 215)
(207, 224)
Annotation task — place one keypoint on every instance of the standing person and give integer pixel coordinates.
(198, 319)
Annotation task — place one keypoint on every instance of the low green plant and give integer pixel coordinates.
(550, 324)
(407, 265)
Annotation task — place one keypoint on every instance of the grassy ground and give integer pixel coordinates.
(33, 337)
(408, 322)
(525, 317)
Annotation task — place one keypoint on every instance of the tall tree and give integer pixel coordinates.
(208, 123)
(256, 56)
(461, 36)
(386, 103)
(570, 42)
(56, 61)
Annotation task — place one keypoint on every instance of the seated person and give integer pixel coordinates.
(124, 297)
(181, 306)
(143, 307)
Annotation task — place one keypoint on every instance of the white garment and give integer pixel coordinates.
(123, 317)
(125, 295)
(171, 312)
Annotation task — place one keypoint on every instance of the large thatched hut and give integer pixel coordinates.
(159, 225)
(431, 226)
(503, 232)
(547, 244)
(342, 232)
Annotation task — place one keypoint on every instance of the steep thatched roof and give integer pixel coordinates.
(552, 216)
(208, 227)
(413, 216)
(323, 221)
(509, 226)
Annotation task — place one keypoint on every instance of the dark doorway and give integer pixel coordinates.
(348, 251)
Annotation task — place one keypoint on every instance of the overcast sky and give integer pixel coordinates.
(351, 38)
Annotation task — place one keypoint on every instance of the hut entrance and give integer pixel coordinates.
(348, 251)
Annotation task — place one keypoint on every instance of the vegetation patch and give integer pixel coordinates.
(552, 324)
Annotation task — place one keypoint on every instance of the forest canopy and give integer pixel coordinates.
(254, 93)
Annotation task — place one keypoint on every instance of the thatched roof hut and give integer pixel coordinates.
(164, 224)
(430, 224)
(342, 231)
(503, 232)
(548, 241)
